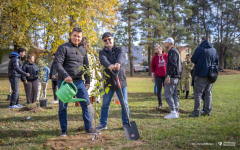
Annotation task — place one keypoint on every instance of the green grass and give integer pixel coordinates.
(16, 132)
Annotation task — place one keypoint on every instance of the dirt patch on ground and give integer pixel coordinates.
(229, 72)
(84, 141)
(78, 141)
(32, 108)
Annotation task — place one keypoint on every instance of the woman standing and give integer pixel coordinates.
(186, 75)
(31, 82)
(158, 65)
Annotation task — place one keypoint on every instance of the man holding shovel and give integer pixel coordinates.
(70, 58)
(113, 59)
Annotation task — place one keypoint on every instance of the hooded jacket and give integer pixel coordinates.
(159, 64)
(68, 59)
(32, 69)
(15, 66)
(199, 58)
(108, 57)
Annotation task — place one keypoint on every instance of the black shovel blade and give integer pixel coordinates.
(131, 131)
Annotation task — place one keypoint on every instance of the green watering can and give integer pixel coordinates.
(66, 93)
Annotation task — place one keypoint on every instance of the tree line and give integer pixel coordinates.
(22, 22)
(151, 21)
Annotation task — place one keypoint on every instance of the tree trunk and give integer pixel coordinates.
(149, 43)
(130, 42)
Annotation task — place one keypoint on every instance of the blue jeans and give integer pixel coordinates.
(86, 113)
(155, 87)
(106, 102)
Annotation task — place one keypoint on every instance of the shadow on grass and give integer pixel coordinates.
(139, 97)
(26, 133)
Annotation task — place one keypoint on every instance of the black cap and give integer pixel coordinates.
(108, 34)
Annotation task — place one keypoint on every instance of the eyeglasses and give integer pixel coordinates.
(107, 40)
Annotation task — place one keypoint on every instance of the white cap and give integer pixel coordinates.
(169, 40)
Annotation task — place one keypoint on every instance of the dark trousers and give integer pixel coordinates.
(159, 81)
(54, 88)
(14, 81)
(31, 90)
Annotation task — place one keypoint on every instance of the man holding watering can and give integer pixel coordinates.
(70, 58)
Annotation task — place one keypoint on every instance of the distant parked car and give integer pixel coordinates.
(138, 68)
(145, 68)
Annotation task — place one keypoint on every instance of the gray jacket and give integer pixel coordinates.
(108, 57)
(68, 59)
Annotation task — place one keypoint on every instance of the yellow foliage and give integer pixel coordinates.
(21, 19)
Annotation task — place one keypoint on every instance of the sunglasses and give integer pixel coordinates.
(107, 40)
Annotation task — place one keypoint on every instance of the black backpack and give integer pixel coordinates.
(213, 70)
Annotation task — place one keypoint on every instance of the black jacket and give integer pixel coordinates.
(32, 69)
(53, 71)
(174, 66)
(108, 57)
(15, 66)
(68, 59)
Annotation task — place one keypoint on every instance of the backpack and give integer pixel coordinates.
(213, 70)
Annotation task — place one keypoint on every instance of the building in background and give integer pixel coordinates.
(184, 50)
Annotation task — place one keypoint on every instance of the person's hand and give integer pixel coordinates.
(68, 79)
(53, 77)
(87, 86)
(111, 67)
(153, 80)
(25, 82)
(117, 66)
(27, 74)
(168, 80)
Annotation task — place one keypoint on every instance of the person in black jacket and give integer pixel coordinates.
(69, 59)
(31, 82)
(113, 59)
(174, 69)
(202, 85)
(14, 73)
(54, 76)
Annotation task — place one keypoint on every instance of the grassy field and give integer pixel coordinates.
(42, 130)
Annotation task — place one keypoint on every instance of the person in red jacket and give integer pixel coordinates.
(158, 66)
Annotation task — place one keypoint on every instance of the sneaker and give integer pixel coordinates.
(159, 107)
(19, 106)
(177, 114)
(204, 113)
(101, 127)
(54, 102)
(194, 115)
(63, 134)
(172, 115)
(201, 111)
(92, 131)
(14, 106)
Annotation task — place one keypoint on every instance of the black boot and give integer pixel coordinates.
(187, 92)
